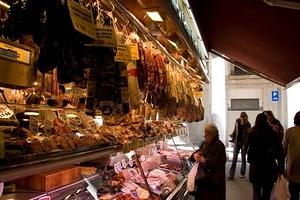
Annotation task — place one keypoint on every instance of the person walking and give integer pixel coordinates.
(239, 138)
(291, 146)
(212, 158)
(265, 156)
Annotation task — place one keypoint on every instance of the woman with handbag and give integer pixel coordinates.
(210, 182)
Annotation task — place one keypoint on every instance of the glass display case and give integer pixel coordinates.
(144, 169)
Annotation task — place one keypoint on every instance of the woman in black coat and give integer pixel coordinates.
(266, 158)
(212, 158)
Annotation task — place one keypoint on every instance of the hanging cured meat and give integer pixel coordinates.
(133, 87)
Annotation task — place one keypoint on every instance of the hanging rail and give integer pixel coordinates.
(121, 10)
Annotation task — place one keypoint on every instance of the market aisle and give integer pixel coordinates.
(239, 188)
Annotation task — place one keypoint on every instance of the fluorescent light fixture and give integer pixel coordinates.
(4, 5)
(71, 115)
(99, 121)
(174, 44)
(25, 120)
(79, 134)
(30, 113)
(155, 16)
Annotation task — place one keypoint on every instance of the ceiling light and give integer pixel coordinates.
(4, 6)
(174, 44)
(71, 115)
(155, 16)
(31, 113)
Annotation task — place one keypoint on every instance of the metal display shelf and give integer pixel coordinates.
(44, 165)
(180, 192)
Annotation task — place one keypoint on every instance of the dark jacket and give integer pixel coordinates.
(265, 155)
(280, 132)
(214, 168)
(240, 132)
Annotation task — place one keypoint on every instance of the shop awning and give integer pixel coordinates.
(253, 34)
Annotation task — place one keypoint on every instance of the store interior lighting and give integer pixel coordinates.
(4, 6)
(173, 44)
(71, 115)
(155, 16)
(30, 113)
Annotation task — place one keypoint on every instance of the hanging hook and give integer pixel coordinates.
(112, 5)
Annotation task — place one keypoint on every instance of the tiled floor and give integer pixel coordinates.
(238, 189)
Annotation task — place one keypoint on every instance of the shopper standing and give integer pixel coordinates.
(275, 123)
(212, 158)
(239, 137)
(266, 158)
(292, 151)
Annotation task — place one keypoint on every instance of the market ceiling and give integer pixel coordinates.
(253, 34)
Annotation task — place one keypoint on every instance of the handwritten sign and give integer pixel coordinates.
(123, 53)
(82, 19)
(134, 51)
(105, 32)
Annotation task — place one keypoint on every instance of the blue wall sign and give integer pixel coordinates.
(275, 96)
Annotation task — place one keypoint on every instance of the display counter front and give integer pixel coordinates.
(154, 171)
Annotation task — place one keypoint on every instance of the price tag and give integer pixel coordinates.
(5, 112)
(131, 163)
(82, 19)
(48, 127)
(124, 163)
(118, 167)
(123, 53)
(134, 51)
(33, 124)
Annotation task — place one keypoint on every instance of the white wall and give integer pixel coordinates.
(293, 99)
(218, 95)
(251, 86)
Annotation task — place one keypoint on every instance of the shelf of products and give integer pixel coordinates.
(79, 112)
